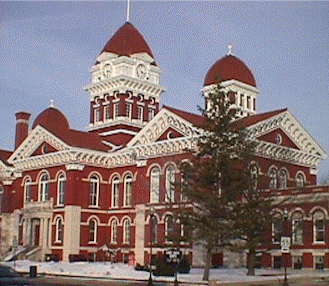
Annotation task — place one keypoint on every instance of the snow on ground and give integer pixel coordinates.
(121, 271)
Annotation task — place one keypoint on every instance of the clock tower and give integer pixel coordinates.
(125, 88)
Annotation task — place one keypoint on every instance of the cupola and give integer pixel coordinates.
(235, 76)
(125, 87)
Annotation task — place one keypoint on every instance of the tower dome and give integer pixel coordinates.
(229, 68)
(53, 120)
(127, 41)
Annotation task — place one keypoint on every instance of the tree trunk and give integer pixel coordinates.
(251, 262)
(207, 265)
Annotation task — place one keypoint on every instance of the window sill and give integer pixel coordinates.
(94, 207)
(319, 242)
(92, 242)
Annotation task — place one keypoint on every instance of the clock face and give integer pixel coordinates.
(141, 71)
(107, 70)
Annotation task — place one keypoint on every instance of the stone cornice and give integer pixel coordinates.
(123, 83)
(285, 154)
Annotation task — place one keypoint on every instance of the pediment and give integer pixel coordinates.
(278, 136)
(294, 135)
(39, 142)
(159, 127)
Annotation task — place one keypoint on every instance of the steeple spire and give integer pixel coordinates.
(128, 10)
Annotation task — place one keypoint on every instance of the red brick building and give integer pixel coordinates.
(66, 192)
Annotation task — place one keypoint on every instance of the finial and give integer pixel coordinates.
(51, 103)
(128, 10)
(229, 50)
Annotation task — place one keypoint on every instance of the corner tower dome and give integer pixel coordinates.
(235, 76)
(125, 88)
(227, 68)
(53, 120)
(127, 41)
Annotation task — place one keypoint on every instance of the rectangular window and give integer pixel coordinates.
(151, 113)
(116, 109)
(248, 102)
(277, 262)
(276, 231)
(61, 192)
(140, 111)
(128, 110)
(115, 193)
(97, 115)
(27, 192)
(319, 230)
(241, 100)
(107, 112)
(319, 262)
(298, 262)
(297, 231)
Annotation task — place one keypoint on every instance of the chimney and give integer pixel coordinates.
(22, 127)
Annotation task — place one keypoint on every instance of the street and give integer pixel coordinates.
(69, 281)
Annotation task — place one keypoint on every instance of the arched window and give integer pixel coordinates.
(155, 185)
(115, 192)
(273, 179)
(253, 176)
(114, 231)
(154, 225)
(27, 190)
(94, 191)
(169, 227)
(300, 180)
(92, 230)
(297, 228)
(126, 231)
(127, 191)
(283, 179)
(170, 180)
(277, 228)
(59, 230)
(44, 187)
(61, 189)
(318, 226)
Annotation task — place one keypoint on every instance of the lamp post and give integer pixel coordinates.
(152, 211)
(285, 219)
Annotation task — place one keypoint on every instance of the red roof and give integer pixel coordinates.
(4, 155)
(195, 119)
(198, 120)
(253, 119)
(127, 41)
(52, 119)
(227, 68)
(56, 122)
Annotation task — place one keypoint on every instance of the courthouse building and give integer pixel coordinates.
(67, 193)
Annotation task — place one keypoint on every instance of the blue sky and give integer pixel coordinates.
(47, 50)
